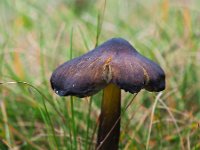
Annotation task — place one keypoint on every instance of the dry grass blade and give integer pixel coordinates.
(151, 119)
(22, 137)
(174, 121)
(5, 120)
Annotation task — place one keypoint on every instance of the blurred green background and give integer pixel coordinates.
(38, 35)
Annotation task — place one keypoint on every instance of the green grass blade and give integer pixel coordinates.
(100, 19)
(72, 100)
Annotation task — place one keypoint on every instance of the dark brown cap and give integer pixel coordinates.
(115, 61)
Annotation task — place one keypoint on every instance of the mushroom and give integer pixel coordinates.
(112, 66)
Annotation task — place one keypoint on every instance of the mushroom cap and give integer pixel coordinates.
(115, 61)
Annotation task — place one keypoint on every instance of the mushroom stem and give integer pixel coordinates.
(109, 126)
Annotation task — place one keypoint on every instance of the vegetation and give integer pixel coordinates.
(37, 36)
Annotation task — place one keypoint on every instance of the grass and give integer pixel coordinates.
(37, 36)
